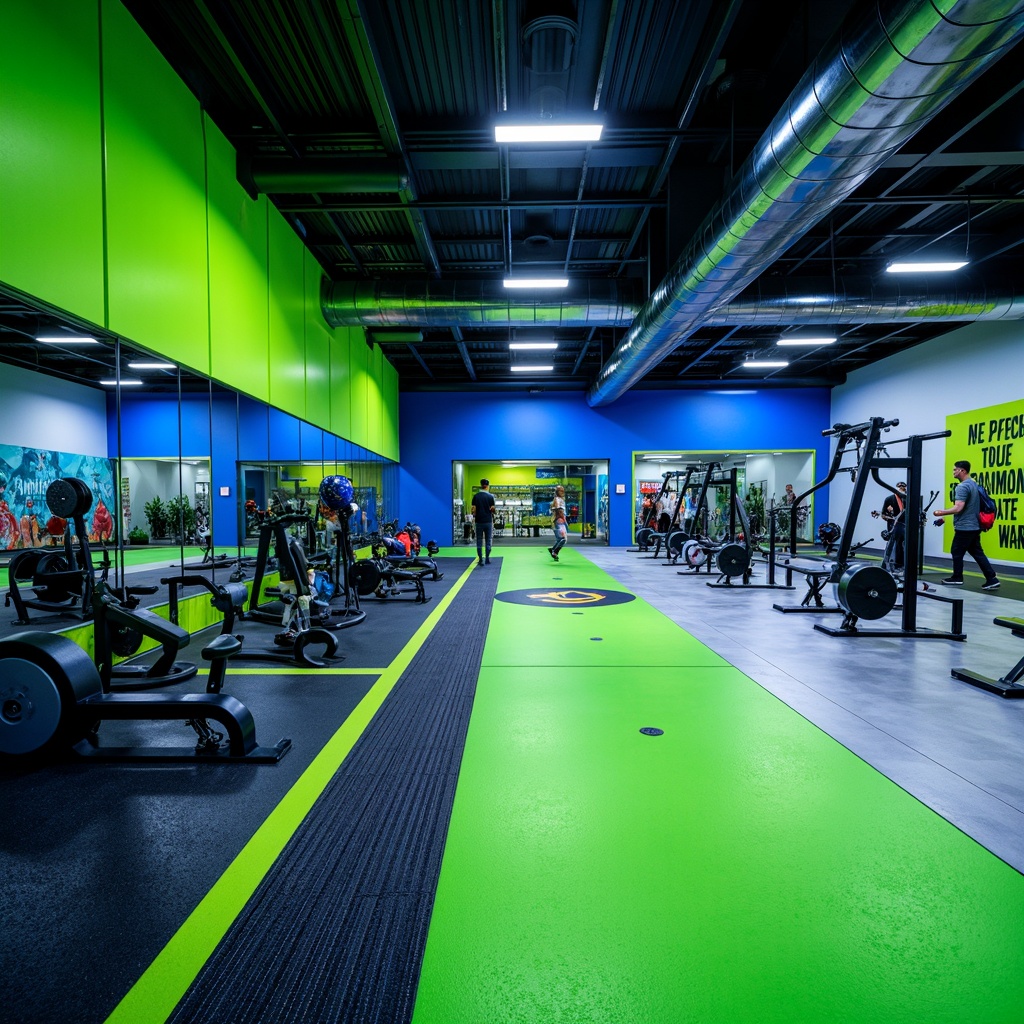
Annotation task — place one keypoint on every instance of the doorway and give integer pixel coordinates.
(523, 490)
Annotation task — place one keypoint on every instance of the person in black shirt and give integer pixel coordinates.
(483, 515)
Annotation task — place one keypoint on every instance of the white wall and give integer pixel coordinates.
(45, 412)
(969, 368)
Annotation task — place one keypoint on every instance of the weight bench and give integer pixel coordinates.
(817, 575)
(1010, 685)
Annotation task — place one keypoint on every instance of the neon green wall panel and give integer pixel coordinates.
(375, 400)
(358, 389)
(51, 212)
(156, 197)
(287, 316)
(390, 411)
(318, 348)
(239, 333)
(341, 399)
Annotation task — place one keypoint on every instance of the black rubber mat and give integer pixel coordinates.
(336, 931)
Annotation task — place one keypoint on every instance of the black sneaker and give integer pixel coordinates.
(990, 585)
(952, 582)
(487, 562)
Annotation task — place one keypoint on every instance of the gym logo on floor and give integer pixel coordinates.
(566, 598)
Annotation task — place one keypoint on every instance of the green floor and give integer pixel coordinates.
(741, 867)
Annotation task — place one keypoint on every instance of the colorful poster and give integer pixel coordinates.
(26, 473)
(992, 440)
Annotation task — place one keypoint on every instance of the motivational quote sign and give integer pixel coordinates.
(992, 440)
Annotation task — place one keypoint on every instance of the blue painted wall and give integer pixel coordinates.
(439, 428)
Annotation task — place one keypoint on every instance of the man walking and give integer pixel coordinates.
(966, 529)
(483, 516)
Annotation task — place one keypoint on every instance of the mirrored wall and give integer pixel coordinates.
(181, 471)
(766, 480)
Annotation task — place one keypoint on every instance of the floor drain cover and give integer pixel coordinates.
(649, 730)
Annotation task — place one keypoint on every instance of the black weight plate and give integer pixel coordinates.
(364, 576)
(675, 542)
(68, 497)
(47, 588)
(867, 591)
(733, 560)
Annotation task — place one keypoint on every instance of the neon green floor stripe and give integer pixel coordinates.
(292, 671)
(742, 867)
(155, 994)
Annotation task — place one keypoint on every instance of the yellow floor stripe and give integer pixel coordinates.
(153, 997)
(299, 671)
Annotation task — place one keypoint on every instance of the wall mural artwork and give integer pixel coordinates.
(992, 440)
(26, 473)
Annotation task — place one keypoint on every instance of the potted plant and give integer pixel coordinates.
(138, 536)
(156, 516)
(181, 518)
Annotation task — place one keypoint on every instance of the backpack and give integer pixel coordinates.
(986, 510)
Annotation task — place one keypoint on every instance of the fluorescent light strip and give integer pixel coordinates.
(533, 345)
(548, 132)
(806, 341)
(536, 282)
(764, 363)
(65, 339)
(531, 369)
(152, 366)
(925, 267)
(123, 383)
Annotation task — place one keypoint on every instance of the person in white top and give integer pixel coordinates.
(559, 523)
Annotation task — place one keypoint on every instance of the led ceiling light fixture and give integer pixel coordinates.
(536, 282)
(925, 267)
(806, 341)
(531, 369)
(152, 366)
(122, 382)
(548, 132)
(534, 345)
(757, 364)
(65, 339)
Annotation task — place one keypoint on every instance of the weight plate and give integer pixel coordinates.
(125, 640)
(733, 560)
(44, 677)
(364, 576)
(693, 554)
(68, 497)
(675, 542)
(867, 591)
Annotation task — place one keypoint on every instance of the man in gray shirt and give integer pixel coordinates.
(966, 529)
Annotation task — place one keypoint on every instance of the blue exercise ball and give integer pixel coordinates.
(336, 492)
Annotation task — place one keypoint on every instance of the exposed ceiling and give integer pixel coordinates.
(371, 127)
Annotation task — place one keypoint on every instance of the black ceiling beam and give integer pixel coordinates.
(477, 203)
(256, 91)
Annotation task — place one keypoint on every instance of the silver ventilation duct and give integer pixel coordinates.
(892, 70)
(476, 304)
(861, 300)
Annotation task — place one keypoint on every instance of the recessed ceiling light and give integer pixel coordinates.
(531, 369)
(764, 363)
(924, 267)
(152, 366)
(66, 339)
(535, 345)
(547, 132)
(806, 341)
(536, 282)
(122, 382)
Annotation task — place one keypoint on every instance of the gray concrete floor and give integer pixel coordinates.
(891, 701)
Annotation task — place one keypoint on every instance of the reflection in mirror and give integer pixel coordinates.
(53, 427)
(762, 479)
